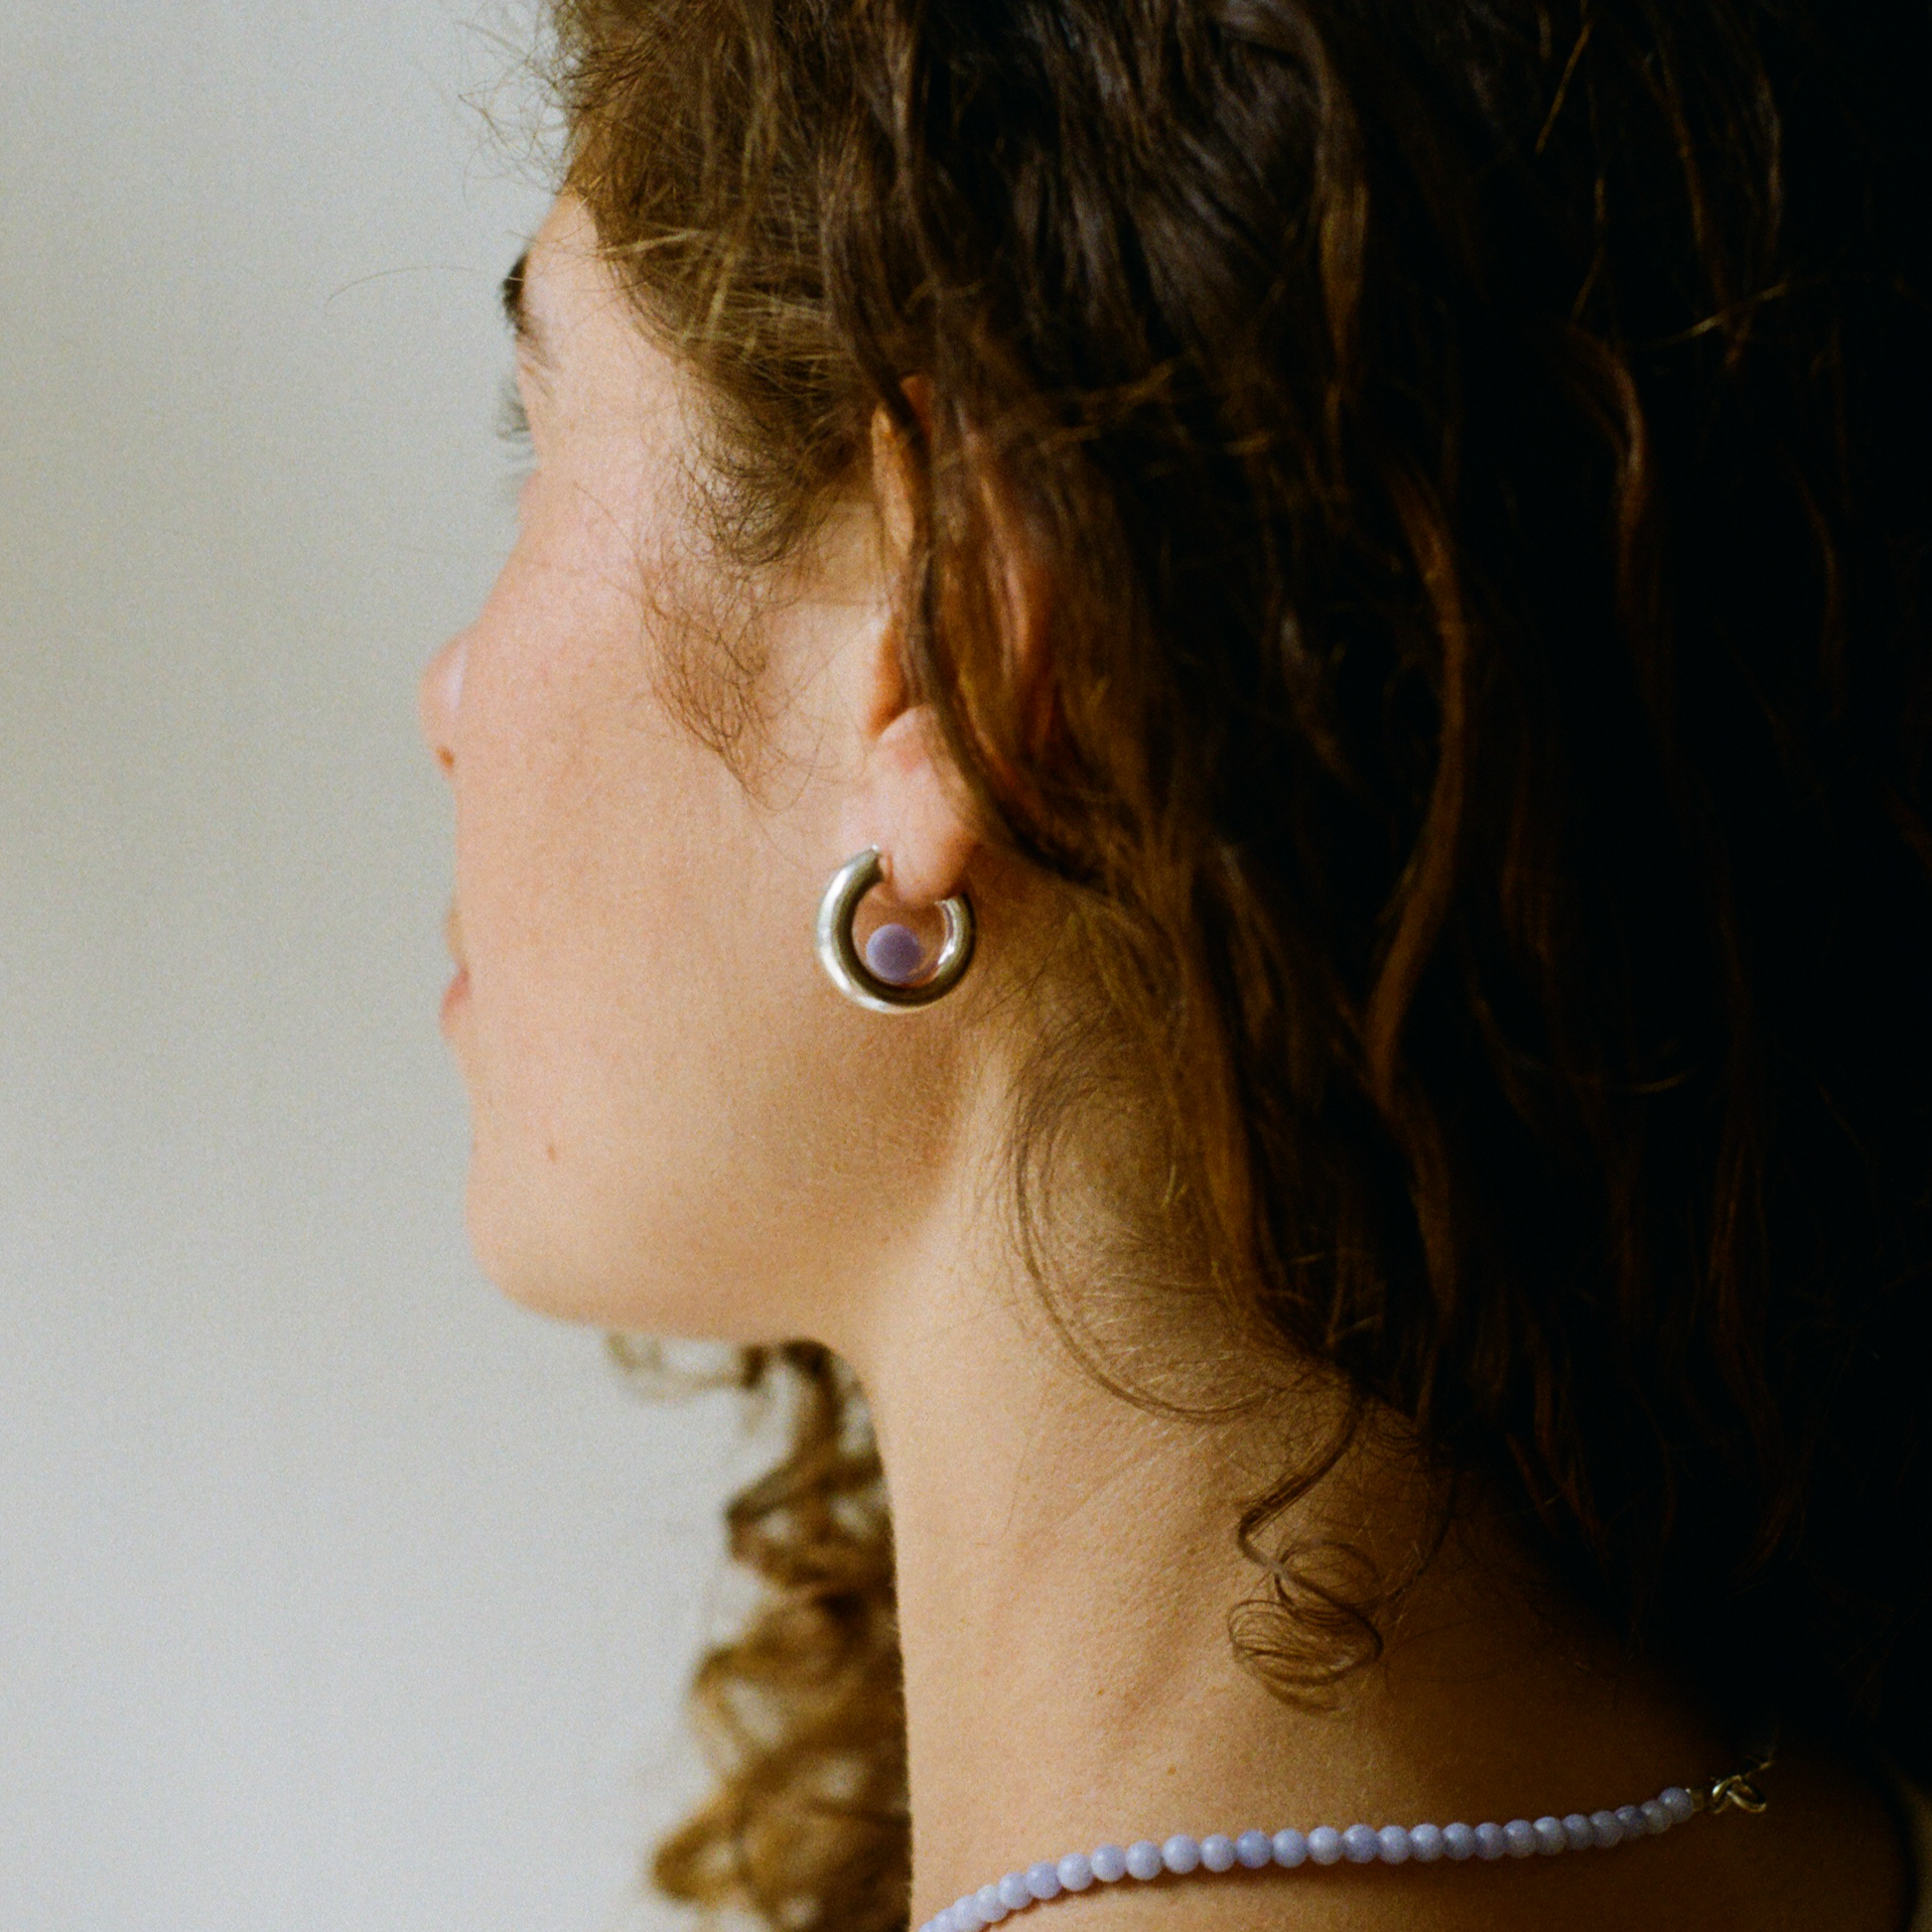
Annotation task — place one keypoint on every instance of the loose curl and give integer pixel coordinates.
(1477, 452)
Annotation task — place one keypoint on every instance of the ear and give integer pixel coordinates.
(910, 801)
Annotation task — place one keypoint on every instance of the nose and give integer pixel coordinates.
(437, 697)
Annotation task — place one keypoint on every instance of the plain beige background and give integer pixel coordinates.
(334, 1595)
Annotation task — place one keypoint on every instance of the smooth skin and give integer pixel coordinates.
(680, 1127)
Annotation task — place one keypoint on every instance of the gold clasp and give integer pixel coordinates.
(1736, 1792)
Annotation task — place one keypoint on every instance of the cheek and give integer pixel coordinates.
(672, 1128)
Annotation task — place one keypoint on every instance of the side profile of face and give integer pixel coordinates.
(678, 1123)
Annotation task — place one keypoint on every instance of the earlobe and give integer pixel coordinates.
(910, 804)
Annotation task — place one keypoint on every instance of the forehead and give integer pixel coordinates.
(565, 299)
(567, 241)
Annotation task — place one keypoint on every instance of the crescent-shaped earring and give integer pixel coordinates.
(888, 975)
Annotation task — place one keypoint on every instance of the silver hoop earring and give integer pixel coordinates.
(845, 965)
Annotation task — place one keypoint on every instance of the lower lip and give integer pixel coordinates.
(459, 992)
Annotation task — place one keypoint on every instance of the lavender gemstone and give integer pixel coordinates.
(1491, 1842)
(1657, 1821)
(1551, 1837)
(1631, 1820)
(1679, 1803)
(1324, 1845)
(1606, 1829)
(1044, 1880)
(1392, 1844)
(1013, 1891)
(894, 954)
(1520, 1835)
(1076, 1871)
(1254, 1849)
(1459, 1841)
(1427, 1842)
(1217, 1852)
(1144, 1858)
(1291, 1847)
(1109, 1864)
(1180, 1855)
(1577, 1833)
(993, 1908)
(1360, 1846)
(963, 1914)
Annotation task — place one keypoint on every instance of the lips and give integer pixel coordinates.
(459, 986)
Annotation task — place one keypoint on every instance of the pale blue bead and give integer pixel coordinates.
(1359, 1845)
(1392, 1844)
(1679, 1803)
(1427, 1842)
(1044, 1880)
(1606, 1829)
(1217, 1852)
(993, 1908)
(1520, 1835)
(1254, 1849)
(1657, 1820)
(1076, 1871)
(1324, 1845)
(1551, 1837)
(1576, 1831)
(1491, 1842)
(1013, 1891)
(1633, 1821)
(1289, 1847)
(963, 1914)
(1459, 1841)
(1144, 1858)
(1109, 1864)
(1180, 1855)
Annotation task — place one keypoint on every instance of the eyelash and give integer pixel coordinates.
(512, 420)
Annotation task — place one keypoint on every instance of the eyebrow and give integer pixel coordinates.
(516, 308)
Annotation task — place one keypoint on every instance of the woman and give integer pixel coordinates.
(1322, 608)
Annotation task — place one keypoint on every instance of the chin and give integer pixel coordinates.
(549, 1250)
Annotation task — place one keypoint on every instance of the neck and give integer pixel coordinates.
(1067, 1564)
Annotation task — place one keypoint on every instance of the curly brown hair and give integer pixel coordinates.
(1478, 450)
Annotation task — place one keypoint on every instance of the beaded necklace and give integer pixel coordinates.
(1253, 1851)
